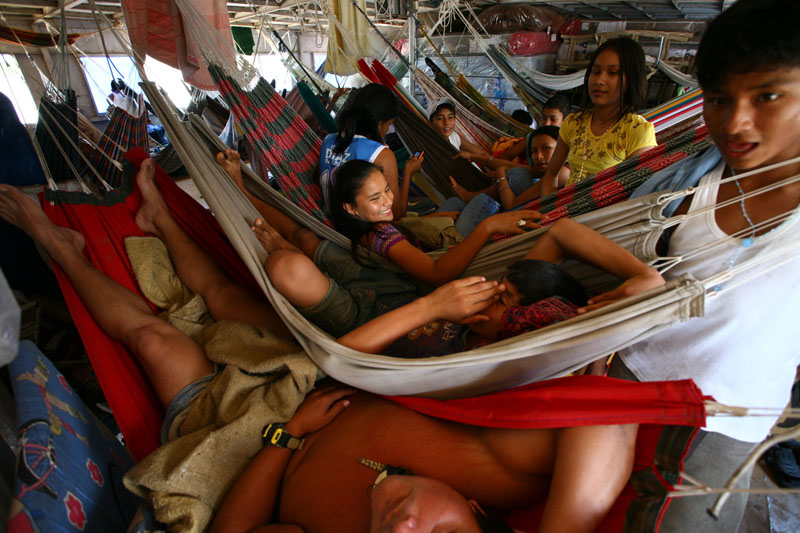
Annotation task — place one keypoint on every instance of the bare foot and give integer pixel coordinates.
(231, 163)
(269, 237)
(153, 206)
(461, 192)
(23, 212)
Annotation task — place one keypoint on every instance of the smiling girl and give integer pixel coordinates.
(362, 210)
(609, 132)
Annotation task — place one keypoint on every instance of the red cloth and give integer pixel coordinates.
(156, 29)
(519, 319)
(104, 224)
(660, 407)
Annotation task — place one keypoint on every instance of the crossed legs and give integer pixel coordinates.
(290, 265)
(170, 358)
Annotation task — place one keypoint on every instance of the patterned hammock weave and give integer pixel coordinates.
(57, 135)
(122, 133)
(316, 107)
(284, 143)
(444, 80)
(617, 183)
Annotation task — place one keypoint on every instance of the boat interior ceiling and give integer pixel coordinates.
(300, 15)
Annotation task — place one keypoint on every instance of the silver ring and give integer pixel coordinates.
(521, 223)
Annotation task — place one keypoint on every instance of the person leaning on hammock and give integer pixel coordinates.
(744, 350)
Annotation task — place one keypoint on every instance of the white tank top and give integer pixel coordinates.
(746, 348)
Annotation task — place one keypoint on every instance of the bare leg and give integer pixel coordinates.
(297, 278)
(293, 232)
(170, 358)
(198, 271)
(592, 465)
(270, 239)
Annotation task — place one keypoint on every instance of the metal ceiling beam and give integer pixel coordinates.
(603, 9)
(678, 8)
(640, 10)
(29, 3)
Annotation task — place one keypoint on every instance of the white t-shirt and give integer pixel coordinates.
(745, 350)
(455, 140)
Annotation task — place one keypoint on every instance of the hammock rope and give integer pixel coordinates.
(505, 361)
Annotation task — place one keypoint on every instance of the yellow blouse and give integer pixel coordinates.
(589, 153)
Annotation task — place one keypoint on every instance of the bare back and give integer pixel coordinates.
(325, 487)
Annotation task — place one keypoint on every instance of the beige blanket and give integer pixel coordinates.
(261, 379)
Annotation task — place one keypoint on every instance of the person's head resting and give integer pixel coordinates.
(540, 147)
(442, 117)
(522, 116)
(748, 64)
(555, 109)
(369, 111)
(360, 198)
(617, 74)
(529, 281)
(406, 503)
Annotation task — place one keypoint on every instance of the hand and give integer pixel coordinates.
(642, 282)
(508, 222)
(414, 163)
(318, 410)
(464, 155)
(461, 300)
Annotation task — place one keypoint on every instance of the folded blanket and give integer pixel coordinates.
(261, 379)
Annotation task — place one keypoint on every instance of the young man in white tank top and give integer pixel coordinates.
(744, 350)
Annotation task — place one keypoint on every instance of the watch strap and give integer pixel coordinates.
(276, 435)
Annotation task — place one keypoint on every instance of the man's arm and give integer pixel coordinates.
(569, 239)
(458, 301)
(251, 501)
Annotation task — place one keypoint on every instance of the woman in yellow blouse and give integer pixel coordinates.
(609, 132)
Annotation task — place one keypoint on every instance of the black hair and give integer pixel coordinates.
(347, 181)
(550, 131)
(558, 101)
(632, 69)
(490, 524)
(536, 280)
(520, 115)
(751, 35)
(361, 113)
(443, 105)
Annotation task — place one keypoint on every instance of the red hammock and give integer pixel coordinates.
(669, 413)
(104, 224)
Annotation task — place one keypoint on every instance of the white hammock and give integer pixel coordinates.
(542, 354)
(546, 353)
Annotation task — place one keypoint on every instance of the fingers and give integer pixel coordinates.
(474, 319)
(598, 305)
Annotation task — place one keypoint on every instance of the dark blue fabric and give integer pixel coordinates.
(18, 162)
(69, 466)
(680, 175)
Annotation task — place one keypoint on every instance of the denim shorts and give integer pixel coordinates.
(181, 401)
(356, 294)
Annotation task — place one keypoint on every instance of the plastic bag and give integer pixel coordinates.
(528, 43)
(520, 17)
(9, 323)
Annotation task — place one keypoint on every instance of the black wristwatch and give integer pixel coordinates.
(276, 435)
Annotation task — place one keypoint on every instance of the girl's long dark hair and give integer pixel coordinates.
(361, 113)
(632, 68)
(347, 181)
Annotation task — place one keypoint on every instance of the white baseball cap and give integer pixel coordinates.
(439, 103)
